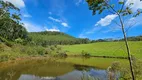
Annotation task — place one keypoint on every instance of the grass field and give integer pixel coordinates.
(105, 49)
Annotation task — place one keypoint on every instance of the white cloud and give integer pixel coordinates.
(137, 4)
(37, 28)
(64, 24)
(53, 19)
(53, 30)
(59, 21)
(17, 3)
(107, 20)
(33, 27)
(26, 15)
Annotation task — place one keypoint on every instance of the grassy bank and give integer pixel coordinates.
(105, 49)
(18, 51)
(115, 49)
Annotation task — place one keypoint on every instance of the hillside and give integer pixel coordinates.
(54, 38)
(105, 49)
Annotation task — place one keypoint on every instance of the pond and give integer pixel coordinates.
(71, 68)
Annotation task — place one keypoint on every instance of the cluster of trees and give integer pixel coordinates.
(54, 38)
(103, 40)
(133, 38)
(10, 26)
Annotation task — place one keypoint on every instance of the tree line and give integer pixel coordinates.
(132, 38)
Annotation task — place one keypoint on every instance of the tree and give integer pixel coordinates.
(99, 6)
(10, 26)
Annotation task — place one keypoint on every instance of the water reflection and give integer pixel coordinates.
(74, 75)
(50, 70)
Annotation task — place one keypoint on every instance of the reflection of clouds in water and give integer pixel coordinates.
(48, 78)
(33, 77)
(101, 74)
(74, 75)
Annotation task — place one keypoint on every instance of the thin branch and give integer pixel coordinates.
(122, 6)
(110, 7)
(116, 23)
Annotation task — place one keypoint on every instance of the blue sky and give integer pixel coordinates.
(73, 17)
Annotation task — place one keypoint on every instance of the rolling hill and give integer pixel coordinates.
(54, 38)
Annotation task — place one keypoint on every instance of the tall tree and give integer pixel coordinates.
(99, 6)
(10, 26)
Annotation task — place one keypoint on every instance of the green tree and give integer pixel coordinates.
(10, 26)
(119, 8)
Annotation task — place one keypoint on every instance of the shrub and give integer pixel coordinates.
(85, 54)
(4, 47)
(19, 40)
(52, 48)
(59, 48)
(55, 46)
(62, 54)
(8, 43)
(125, 72)
(113, 71)
(48, 51)
(4, 57)
(40, 50)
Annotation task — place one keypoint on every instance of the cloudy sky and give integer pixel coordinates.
(73, 17)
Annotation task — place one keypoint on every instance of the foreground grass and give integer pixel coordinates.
(105, 49)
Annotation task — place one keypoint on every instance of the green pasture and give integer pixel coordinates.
(105, 49)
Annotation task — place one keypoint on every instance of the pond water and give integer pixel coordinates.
(56, 69)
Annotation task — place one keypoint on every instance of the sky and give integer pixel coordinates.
(74, 18)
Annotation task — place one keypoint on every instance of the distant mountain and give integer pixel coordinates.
(54, 38)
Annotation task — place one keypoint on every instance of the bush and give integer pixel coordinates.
(62, 54)
(125, 72)
(19, 40)
(8, 43)
(40, 50)
(4, 57)
(48, 51)
(3, 47)
(52, 48)
(59, 48)
(85, 54)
